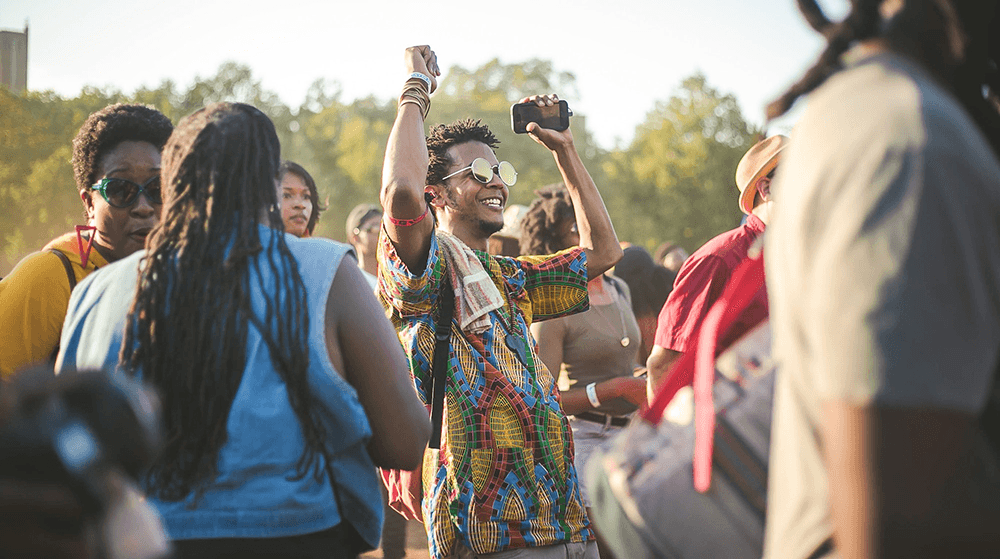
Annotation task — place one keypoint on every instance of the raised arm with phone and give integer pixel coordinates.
(444, 195)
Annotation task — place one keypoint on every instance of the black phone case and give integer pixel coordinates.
(523, 113)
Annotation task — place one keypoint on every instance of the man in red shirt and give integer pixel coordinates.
(703, 276)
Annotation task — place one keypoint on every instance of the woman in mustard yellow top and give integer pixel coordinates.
(116, 162)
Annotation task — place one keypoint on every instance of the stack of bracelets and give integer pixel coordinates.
(416, 91)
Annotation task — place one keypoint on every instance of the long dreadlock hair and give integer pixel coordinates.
(964, 40)
(188, 324)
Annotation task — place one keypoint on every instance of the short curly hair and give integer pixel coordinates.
(443, 136)
(540, 232)
(110, 126)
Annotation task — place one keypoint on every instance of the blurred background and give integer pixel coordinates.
(667, 95)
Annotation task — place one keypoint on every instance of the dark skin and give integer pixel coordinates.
(461, 203)
(896, 483)
(122, 231)
(363, 345)
(550, 336)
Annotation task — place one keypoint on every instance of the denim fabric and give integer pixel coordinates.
(255, 493)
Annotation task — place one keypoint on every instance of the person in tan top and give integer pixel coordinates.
(593, 353)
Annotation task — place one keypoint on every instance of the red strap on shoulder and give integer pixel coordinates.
(84, 254)
(747, 280)
(698, 367)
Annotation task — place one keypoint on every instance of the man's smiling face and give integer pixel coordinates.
(473, 210)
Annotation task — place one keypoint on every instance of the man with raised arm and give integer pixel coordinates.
(504, 479)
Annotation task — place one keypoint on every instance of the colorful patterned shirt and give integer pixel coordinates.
(505, 477)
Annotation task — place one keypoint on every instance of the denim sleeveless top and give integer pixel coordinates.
(255, 494)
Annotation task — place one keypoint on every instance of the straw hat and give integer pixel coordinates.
(758, 162)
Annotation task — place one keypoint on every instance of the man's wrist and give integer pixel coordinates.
(564, 148)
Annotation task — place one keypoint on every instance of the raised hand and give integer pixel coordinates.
(422, 59)
(552, 139)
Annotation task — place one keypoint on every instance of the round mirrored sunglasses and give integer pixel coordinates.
(483, 172)
(122, 193)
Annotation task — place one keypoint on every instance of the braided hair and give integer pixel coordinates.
(188, 324)
(964, 43)
(540, 226)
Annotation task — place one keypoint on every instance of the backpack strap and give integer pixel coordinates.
(442, 351)
(67, 265)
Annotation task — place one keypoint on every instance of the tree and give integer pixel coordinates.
(487, 94)
(342, 146)
(676, 179)
(38, 197)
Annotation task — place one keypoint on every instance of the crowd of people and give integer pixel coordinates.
(288, 368)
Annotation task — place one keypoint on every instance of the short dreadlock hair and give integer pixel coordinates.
(444, 136)
(540, 233)
(110, 126)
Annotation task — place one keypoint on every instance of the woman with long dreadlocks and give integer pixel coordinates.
(883, 269)
(281, 380)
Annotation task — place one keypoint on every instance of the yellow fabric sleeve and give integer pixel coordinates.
(33, 303)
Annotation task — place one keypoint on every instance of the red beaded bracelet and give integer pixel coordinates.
(407, 222)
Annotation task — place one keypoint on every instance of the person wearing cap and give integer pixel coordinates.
(703, 276)
(671, 256)
(363, 224)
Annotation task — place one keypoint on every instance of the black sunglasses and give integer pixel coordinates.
(122, 193)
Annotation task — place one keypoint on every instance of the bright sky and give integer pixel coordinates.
(626, 54)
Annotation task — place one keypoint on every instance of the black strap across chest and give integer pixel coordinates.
(439, 363)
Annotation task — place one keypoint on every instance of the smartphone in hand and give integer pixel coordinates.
(555, 117)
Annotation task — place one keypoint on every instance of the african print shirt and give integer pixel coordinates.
(505, 476)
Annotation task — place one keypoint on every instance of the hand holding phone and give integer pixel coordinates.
(553, 117)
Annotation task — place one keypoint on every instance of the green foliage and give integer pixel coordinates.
(674, 181)
(679, 171)
(487, 94)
